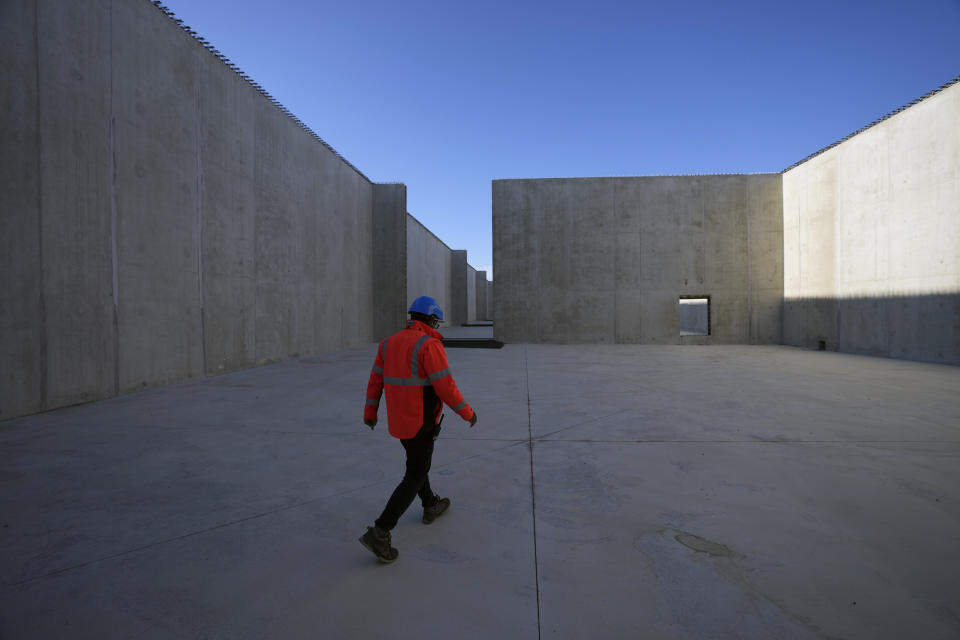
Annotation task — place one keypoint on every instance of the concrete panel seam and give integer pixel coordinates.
(616, 271)
(255, 253)
(198, 154)
(42, 287)
(114, 229)
(752, 335)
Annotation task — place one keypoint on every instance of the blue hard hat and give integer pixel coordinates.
(427, 306)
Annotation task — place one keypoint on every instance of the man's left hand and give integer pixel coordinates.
(370, 423)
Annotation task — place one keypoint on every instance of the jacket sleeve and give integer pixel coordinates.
(374, 387)
(434, 365)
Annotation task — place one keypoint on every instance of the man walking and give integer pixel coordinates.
(411, 366)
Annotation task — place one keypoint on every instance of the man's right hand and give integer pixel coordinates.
(370, 423)
(473, 419)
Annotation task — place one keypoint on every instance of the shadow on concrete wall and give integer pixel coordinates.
(923, 327)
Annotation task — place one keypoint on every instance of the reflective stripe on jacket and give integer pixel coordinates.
(407, 362)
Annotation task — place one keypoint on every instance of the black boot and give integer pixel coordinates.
(378, 542)
(433, 512)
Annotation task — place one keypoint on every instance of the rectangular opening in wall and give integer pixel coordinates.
(694, 315)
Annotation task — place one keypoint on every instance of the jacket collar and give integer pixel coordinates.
(427, 329)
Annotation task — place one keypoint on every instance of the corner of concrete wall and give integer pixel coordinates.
(515, 259)
(482, 295)
(490, 300)
(389, 240)
(765, 248)
(458, 288)
(471, 294)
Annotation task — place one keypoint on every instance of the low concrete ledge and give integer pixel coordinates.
(474, 343)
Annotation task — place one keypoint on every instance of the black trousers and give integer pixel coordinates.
(415, 481)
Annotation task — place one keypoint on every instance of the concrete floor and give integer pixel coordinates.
(606, 492)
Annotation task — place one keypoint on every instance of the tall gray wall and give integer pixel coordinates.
(22, 349)
(466, 298)
(162, 219)
(429, 268)
(481, 291)
(872, 238)
(471, 294)
(435, 270)
(389, 258)
(458, 287)
(856, 248)
(606, 259)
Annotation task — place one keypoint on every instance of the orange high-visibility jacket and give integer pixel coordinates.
(407, 363)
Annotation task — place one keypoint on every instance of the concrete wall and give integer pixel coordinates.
(468, 290)
(458, 288)
(22, 354)
(872, 239)
(429, 268)
(162, 219)
(606, 259)
(435, 270)
(389, 258)
(471, 294)
(856, 249)
(481, 295)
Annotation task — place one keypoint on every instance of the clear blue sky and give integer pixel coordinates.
(446, 96)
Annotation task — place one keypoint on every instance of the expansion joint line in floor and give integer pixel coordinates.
(533, 492)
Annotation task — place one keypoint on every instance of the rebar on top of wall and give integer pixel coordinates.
(230, 65)
(945, 85)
